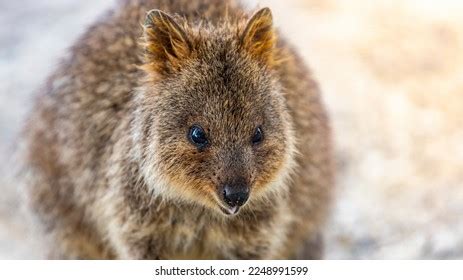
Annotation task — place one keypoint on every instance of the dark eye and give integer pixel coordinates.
(258, 136)
(197, 136)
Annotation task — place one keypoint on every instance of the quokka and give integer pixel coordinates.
(180, 129)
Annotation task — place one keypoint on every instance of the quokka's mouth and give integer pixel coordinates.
(230, 211)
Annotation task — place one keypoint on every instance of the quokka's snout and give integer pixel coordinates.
(234, 194)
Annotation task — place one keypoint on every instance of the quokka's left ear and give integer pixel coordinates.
(166, 42)
(259, 37)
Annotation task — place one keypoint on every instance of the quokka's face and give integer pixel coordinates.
(215, 125)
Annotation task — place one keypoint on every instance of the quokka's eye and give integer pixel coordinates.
(258, 136)
(197, 136)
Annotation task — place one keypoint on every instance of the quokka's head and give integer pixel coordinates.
(211, 118)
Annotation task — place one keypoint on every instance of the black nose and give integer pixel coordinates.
(235, 195)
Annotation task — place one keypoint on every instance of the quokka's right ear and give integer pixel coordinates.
(166, 43)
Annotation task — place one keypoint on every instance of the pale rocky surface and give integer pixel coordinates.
(391, 72)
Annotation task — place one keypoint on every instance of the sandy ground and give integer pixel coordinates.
(391, 72)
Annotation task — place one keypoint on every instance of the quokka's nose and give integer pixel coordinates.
(235, 195)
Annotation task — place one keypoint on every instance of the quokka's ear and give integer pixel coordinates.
(259, 37)
(166, 42)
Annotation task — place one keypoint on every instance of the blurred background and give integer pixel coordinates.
(392, 77)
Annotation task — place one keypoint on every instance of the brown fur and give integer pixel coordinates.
(111, 173)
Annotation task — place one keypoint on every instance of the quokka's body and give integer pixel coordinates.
(189, 131)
